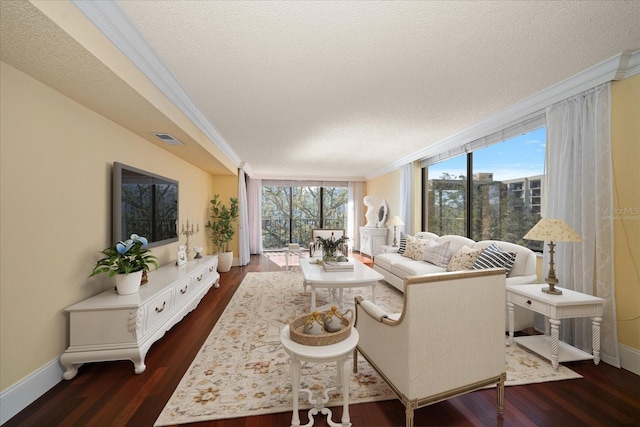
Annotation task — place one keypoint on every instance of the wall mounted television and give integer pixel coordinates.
(145, 204)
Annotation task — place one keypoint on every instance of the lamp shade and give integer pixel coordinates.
(395, 220)
(551, 229)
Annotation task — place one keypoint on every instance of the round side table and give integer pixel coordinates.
(338, 353)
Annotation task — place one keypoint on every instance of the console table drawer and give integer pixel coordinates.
(531, 304)
(199, 277)
(182, 290)
(158, 309)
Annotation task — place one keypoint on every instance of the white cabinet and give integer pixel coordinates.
(109, 326)
(371, 240)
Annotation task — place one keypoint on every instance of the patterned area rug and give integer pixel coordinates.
(242, 369)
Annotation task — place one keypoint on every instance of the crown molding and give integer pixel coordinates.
(619, 67)
(109, 18)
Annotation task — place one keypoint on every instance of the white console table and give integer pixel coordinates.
(109, 326)
(371, 240)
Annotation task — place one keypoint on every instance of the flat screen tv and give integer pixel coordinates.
(145, 204)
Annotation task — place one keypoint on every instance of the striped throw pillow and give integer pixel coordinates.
(494, 257)
(403, 243)
(437, 254)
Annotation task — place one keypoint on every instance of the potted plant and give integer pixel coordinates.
(222, 229)
(331, 247)
(127, 261)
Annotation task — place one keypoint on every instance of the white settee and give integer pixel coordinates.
(435, 348)
(395, 267)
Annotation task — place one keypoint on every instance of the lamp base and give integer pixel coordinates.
(552, 290)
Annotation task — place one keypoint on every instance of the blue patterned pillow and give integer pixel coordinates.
(494, 257)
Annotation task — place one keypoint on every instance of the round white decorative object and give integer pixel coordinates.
(127, 284)
(383, 212)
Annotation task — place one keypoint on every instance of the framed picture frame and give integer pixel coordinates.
(181, 255)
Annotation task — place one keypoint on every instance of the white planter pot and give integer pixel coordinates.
(127, 284)
(225, 259)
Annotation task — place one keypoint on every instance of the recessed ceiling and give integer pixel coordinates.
(344, 89)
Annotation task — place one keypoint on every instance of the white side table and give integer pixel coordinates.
(287, 253)
(338, 353)
(569, 305)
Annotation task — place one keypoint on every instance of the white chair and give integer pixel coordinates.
(448, 340)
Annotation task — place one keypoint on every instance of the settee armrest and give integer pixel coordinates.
(374, 311)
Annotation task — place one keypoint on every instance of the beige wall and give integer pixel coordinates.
(385, 187)
(625, 148)
(56, 159)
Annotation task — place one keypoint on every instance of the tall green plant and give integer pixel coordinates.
(221, 222)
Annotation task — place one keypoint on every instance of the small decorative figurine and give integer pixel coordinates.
(333, 320)
(314, 324)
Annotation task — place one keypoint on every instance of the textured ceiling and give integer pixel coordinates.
(344, 89)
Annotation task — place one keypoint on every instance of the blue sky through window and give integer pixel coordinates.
(517, 157)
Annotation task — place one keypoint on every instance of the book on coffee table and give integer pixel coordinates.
(337, 266)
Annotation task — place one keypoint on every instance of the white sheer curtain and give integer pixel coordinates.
(406, 197)
(243, 219)
(254, 198)
(355, 213)
(580, 191)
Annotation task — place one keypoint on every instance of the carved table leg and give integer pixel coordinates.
(295, 387)
(555, 345)
(595, 330)
(510, 307)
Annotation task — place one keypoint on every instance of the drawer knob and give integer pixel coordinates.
(184, 291)
(528, 302)
(159, 310)
(199, 277)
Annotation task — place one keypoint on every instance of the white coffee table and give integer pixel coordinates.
(316, 277)
(569, 305)
(339, 353)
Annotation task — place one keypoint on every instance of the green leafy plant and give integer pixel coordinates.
(126, 257)
(221, 222)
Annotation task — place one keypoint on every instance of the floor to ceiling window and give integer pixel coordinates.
(291, 209)
(492, 193)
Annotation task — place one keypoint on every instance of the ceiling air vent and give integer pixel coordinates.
(167, 138)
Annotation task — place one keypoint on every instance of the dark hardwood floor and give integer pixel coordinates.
(110, 394)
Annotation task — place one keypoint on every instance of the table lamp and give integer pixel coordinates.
(552, 230)
(395, 221)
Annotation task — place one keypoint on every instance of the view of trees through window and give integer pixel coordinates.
(501, 199)
(290, 212)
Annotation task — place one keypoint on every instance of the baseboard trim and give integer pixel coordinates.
(629, 358)
(26, 391)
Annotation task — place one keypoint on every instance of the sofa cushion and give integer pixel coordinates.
(494, 257)
(415, 248)
(386, 260)
(463, 259)
(437, 253)
(414, 268)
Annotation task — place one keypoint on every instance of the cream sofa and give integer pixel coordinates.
(395, 267)
(435, 349)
